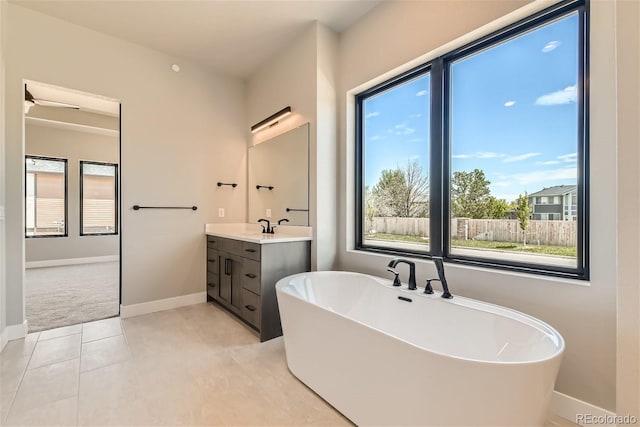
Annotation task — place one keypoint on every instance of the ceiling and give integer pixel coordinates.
(233, 37)
(85, 101)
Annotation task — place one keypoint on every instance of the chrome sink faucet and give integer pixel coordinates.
(412, 272)
(438, 261)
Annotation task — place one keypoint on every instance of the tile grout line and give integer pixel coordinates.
(24, 372)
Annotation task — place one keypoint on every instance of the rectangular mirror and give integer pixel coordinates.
(279, 178)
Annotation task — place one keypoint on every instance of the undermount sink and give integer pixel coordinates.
(253, 232)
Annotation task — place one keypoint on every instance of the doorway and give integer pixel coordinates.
(72, 206)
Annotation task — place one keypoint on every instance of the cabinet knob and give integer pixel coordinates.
(251, 275)
(250, 250)
(250, 307)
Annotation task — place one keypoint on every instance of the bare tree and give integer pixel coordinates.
(402, 192)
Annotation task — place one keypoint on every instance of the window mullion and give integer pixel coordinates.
(437, 177)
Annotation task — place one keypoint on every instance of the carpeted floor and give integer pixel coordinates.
(72, 294)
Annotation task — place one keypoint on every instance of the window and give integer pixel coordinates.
(98, 198)
(395, 164)
(450, 155)
(46, 197)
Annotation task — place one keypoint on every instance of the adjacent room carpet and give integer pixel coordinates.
(71, 294)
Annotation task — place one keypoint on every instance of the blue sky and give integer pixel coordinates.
(513, 115)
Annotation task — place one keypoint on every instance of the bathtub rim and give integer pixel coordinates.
(473, 304)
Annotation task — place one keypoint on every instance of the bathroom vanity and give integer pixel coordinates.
(243, 266)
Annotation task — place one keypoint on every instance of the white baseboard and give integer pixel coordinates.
(70, 261)
(13, 332)
(161, 304)
(580, 412)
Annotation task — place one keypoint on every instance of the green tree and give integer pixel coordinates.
(470, 195)
(523, 211)
(498, 208)
(402, 192)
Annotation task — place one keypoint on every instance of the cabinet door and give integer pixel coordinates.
(236, 283)
(226, 268)
(231, 281)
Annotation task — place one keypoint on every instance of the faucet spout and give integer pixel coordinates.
(266, 229)
(412, 270)
(438, 261)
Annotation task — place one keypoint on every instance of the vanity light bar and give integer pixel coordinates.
(271, 120)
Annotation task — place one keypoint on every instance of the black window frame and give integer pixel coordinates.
(116, 199)
(440, 145)
(66, 197)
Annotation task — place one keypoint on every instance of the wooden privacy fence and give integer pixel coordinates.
(556, 233)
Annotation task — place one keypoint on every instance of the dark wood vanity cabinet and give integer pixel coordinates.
(241, 276)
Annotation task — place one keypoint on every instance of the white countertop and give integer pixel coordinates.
(253, 233)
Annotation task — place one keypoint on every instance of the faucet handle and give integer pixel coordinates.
(428, 289)
(396, 279)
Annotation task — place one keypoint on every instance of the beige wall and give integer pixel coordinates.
(3, 297)
(73, 146)
(585, 314)
(303, 76)
(181, 133)
(628, 90)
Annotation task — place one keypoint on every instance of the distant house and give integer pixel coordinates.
(557, 203)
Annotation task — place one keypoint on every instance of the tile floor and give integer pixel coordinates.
(195, 365)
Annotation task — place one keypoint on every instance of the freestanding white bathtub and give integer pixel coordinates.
(381, 360)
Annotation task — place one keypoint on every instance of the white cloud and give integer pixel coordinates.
(569, 158)
(552, 45)
(376, 138)
(568, 174)
(372, 114)
(415, 116)
(561, 97)
(548, 162)
(510, 103)
(520, 157)
(501, 184)
(422, 93)
(403, 129)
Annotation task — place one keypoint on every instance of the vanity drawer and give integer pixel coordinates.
(251, 275)
(212, 242)
(212, 255)
(231, 246)
(251, 308)
(251, 250)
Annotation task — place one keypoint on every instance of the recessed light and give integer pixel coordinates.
(175, 67)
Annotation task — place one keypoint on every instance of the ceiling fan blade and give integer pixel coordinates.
(27, 95)
(47, 103)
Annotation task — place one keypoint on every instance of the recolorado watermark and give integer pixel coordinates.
(590, 419)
